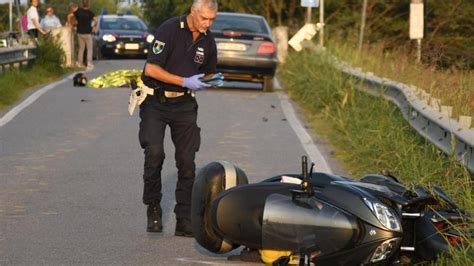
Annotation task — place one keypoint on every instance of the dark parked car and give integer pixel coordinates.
(121, 35)
(246, 49)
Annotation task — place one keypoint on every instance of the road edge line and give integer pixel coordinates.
(305, 139)
(31, 99)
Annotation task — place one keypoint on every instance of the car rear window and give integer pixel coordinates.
(239, 23)
(122, 24)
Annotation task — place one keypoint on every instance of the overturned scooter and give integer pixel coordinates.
(322, 218)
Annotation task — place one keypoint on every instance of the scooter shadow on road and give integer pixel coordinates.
(221, 259)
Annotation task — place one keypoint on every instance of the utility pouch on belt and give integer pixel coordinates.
(137, 96)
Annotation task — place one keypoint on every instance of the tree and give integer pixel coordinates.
(278, 9)
(61, 7)
(4, 18)
(449, 30)
(157, 11)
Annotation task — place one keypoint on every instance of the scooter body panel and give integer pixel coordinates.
(237, 213)
(306, 224)
(267, 215)
(334, 221)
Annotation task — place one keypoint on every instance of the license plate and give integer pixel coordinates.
(231, 46)
(132, 46)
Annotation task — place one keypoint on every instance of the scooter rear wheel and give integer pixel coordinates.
(212, 179)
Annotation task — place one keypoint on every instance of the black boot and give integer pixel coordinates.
(183, 228)
(154, 218)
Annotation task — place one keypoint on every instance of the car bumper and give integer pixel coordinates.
(122, 49)
(251, 66)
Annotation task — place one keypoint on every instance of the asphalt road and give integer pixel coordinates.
(71, 165)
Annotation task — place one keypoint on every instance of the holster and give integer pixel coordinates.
(137, 96)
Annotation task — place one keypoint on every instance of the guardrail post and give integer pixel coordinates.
(435, 104)
(67, 43)
(281, 37)
(447, 111)
(465, 121)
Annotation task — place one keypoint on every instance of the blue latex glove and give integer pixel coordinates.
(193, 83)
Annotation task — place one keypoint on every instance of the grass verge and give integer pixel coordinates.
(45, 69)
(454, 87)
(370, 134)
(14, 84)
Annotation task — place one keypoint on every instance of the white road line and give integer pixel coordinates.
(216, 261)
(31, 99)
(306, 141)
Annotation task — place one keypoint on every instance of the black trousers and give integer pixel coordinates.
(33, 33)
(185, 134)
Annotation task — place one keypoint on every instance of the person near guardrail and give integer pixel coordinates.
(33, 20)
(182, 51)
(50, 21)
(71, 19)
(86, 25)
(23, 24)
(71, 22)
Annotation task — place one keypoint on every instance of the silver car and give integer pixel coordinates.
(246, 49)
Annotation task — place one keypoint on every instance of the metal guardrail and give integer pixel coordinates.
(16, 56)
(423, 113)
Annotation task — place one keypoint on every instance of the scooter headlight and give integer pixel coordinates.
(384, 215)
(384, 250)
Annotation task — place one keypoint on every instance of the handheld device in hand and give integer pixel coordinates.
(215, 80)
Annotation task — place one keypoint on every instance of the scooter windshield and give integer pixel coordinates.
(374, 187)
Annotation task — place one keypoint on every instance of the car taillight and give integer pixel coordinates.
(440, 226)
(266, 48)
(451, 233)
(232, 33)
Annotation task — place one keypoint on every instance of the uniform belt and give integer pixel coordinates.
(167, 94)
(164, 96)
(173, 94)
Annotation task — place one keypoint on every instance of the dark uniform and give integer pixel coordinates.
(173, 50)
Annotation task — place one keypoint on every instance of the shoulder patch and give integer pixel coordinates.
(158, 47)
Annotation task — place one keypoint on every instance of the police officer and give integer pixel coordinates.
(182, 52)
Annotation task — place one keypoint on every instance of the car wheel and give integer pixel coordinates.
(268, 83)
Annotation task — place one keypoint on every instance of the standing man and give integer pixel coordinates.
(182, 52)
(50, 21)
(33, 20)
(86, 25)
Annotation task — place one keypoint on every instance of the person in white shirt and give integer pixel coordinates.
(50, 21)
(33, 20)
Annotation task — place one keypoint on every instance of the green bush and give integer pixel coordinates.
(49, 54)
(47, 67)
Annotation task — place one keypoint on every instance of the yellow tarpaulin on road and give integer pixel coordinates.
(117, 78)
